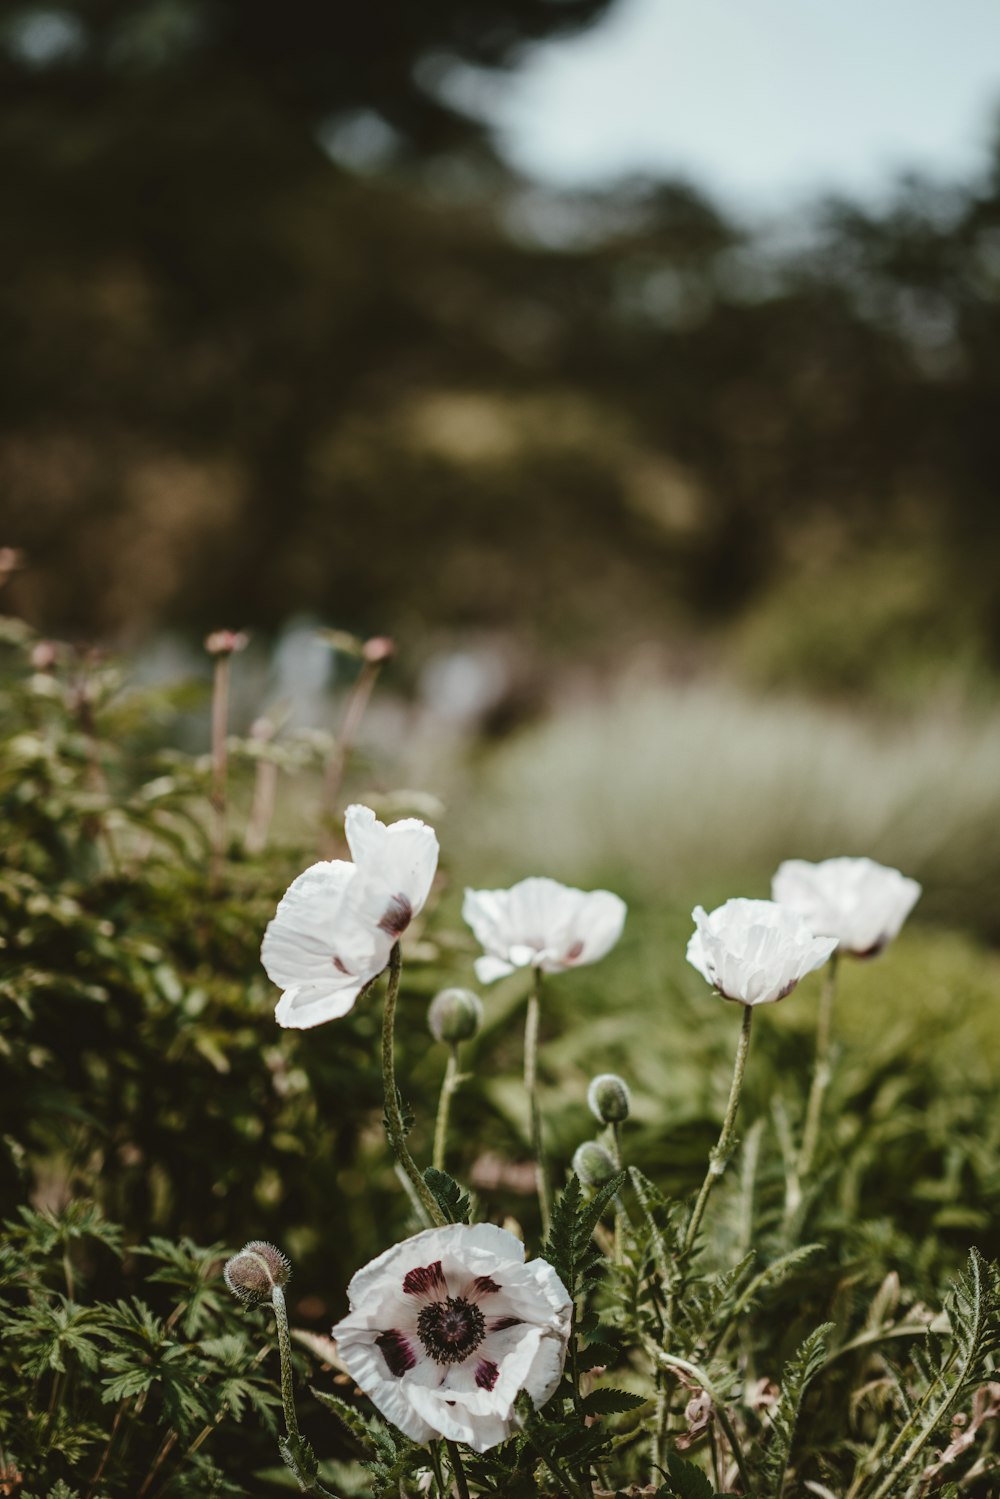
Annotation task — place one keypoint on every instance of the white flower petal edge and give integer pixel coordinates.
(755, 951)
(319, 949)
(861, 903)
(396, 865)
(446, 1329)
(539, 923)
(335, 926)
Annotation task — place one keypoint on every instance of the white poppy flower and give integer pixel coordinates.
(335, 926)
(861, 903)
(539, 923)
(755, 951)
(446, 1329)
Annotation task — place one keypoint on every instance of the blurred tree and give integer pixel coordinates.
(281, 331)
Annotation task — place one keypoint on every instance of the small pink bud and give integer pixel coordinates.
(226, 642)
(380, 648)
(44, 654)
(253, 1274)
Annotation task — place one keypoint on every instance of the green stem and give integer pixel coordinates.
(220, 726)
(821, 1072)
(667, 1360)
(616, 1156)
(531, 1088)
(294, 1446)
(720, 1155)
(435, 1452)
(393, 1117)
(448, 1089)
(285, 1354)
(457, 1469)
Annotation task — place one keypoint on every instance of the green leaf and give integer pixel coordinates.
(607, 1402)
(448, 1195)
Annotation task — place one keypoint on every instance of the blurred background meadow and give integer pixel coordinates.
(635, 368)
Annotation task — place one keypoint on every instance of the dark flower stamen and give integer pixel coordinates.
(450, 1330)
(398, 916)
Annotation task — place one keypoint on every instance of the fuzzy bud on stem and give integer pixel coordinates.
(455, 1015)
(609, 1098)
(253, 1274)
(593, 1164)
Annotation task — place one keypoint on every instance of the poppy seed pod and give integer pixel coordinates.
(593, 1164)
(609, 1098)
(253, 1274)
(455, 1015)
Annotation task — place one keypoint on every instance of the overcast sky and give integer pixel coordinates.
(762, 101)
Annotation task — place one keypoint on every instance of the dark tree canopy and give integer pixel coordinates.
(241, 379)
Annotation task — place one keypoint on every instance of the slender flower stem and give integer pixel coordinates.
(448, 1088)
(670, 1361)
(220, 725)
(458, 1472)
(720, 1155)
(354, 712)
(531, 1088)
(393, 1117)
(295, 1449)
(285, 1354)
(821, 1072)
(615, 1131)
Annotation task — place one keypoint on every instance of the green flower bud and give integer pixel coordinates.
(253, 1274)
(609, 1098)
(593, 1164)
(455, 1015)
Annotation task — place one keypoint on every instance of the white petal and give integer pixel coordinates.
(301, 1008)
(388, 1391)
(597, 924)
(403, 856)
(485, 911)
(488, 969)
(316, 937)
(468, 1240)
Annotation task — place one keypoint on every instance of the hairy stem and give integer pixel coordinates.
(668, 1361)
(720, 1155)
(821, 1072)
(448, 1089)
(393, 1117)
(531, 1088)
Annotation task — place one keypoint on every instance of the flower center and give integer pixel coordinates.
(450, 1330)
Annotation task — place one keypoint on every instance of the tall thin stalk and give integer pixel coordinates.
(531, 1088)
(220, 761)
(720, 1155)
(821, 1072)
(449, 1087)
(393, 1118)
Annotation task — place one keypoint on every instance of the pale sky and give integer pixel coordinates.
(764, 102)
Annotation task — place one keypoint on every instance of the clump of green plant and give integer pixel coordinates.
(813, 1312)
(139, 1396)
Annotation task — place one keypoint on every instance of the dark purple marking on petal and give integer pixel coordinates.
(483, 1285)
(396, 1351)
(574, 952)
(487, 1374)
(340, 967)
(501, 1324)
(426, 1280)
(398, 916)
